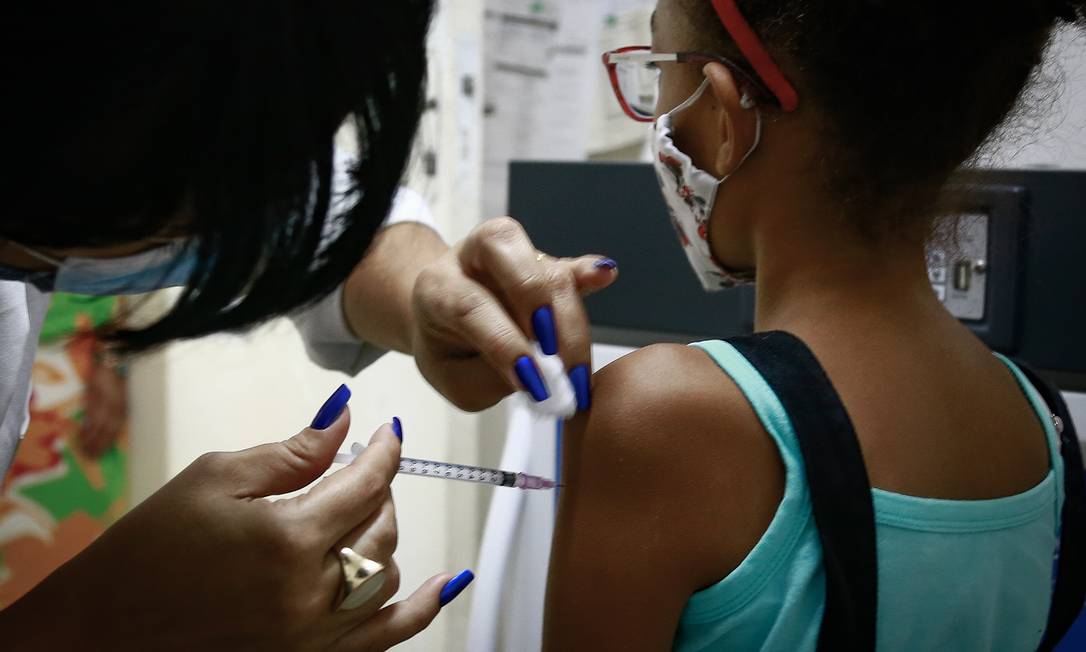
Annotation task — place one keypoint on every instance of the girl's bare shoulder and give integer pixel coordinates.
(672, 440)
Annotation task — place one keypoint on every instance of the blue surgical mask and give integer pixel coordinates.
(167, 266)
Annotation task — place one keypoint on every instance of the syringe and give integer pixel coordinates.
(461, 472)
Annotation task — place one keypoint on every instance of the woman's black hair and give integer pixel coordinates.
(212, 119)
(909, 90)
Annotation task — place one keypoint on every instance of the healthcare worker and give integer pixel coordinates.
(191, 144)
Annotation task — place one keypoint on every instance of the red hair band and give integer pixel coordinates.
(755, 53)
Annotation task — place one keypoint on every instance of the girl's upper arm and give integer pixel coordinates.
(668, 483)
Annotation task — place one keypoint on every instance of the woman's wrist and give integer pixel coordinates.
(377, 297)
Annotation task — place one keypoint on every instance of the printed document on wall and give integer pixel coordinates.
(540, 65)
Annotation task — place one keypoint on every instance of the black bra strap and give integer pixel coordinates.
(839, 486)
(1069, 594)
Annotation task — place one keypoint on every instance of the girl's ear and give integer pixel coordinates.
(736, 123)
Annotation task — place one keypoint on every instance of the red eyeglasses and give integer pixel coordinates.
(635, 76)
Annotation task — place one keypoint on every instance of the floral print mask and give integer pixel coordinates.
(690, 194)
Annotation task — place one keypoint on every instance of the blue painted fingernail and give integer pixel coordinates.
(331, 409)
(397, 428)
(543, 324)
(607, 264)
(531, 380)
(456, 586)
(580, 377)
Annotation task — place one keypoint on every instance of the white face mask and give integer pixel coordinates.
(690, 194)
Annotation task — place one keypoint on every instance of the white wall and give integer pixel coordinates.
(232, 392)
(1051, 132)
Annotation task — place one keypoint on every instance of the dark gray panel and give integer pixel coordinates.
(1037, 291)
(1052, 318)
(617, 210)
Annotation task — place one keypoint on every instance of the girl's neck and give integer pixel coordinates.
(817, 271)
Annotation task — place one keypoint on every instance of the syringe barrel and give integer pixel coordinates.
(452, 471)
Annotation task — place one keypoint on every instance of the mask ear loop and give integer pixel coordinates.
(55, 262)
(747, 102)
(690, 100)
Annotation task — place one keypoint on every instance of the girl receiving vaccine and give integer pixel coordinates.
(862, 472)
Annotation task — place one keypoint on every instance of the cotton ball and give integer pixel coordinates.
(562, 403)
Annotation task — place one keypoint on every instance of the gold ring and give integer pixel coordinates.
(362, 578)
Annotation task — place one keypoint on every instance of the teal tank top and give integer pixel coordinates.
(953, 575)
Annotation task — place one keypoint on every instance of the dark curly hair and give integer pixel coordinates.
(909, 91)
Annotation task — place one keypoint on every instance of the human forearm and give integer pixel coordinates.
(44, 619)
(377, 295)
